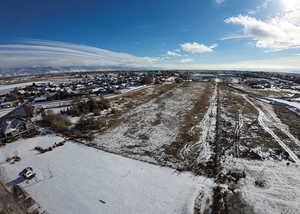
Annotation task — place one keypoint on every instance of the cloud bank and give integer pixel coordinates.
(37, 53)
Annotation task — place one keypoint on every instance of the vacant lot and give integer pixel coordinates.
(147, 131)
(289, 118)
(78, 179)
(242, 135)
(270, 186)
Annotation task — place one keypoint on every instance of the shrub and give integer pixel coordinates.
(57, 122)
(79, 108)
(85, 124)
(260, 182)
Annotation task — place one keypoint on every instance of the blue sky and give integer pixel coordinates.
(196, 34)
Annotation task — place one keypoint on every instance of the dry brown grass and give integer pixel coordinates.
(189, 120)
(289, 118)
(131, 101)
(252, 135)
(235, 102)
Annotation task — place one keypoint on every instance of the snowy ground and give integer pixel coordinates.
(150, 126)
(293, 104)
(207, 127)
(78, 179)
(268, 121)
(282, 191)
(266, 132)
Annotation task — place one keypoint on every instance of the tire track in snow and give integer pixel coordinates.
(263, 121)
(206, 125)
(282, 127)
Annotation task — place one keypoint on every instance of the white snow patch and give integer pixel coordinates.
(294, 104)
(282, 191)
(78, 179)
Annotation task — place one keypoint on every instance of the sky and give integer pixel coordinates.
(167, 34)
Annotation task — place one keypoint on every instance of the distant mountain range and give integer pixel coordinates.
(8, 72)
(49, 69)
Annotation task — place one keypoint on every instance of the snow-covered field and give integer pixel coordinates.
(78, 179)
(294, 104)
(152, 125)
(282, 191)
(267, 120)
(207, 127)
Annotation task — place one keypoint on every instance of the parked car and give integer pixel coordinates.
(27, 173)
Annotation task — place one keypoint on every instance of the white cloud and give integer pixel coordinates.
(234, 36)
(35, 53)
(277, 33)
(195, 47)
(220, 1)
(172, 53)
(187, 60)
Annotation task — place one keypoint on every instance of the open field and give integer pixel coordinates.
(151, 130)
(77, 179)
(261, 131)
(187, 147)
(280, 191)
(241, 133)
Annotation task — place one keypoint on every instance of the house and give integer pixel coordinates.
(12, 127)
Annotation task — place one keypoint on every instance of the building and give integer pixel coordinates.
(12, 127)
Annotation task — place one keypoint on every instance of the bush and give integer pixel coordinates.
(79, 108)
(260, 182)
(85, 124)
(57, 122)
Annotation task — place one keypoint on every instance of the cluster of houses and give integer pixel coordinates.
(262, 83)
(20, 101)
(61, 89)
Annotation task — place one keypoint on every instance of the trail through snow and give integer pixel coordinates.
(264, 121)
(207, 126)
